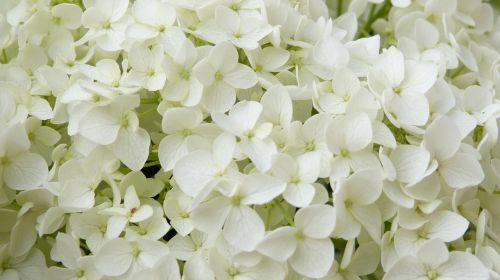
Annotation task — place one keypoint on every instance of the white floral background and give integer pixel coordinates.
(249, 139)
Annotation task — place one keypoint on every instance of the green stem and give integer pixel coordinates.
(3, 59)
(285, 213)
(340, 5)
(381, 12)
(268, 216)
(457, 71)
(149, 101)
(152, 163)
(490, 233)
(117, 198)
(147, 112)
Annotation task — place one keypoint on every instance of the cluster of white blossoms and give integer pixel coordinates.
(249, 139)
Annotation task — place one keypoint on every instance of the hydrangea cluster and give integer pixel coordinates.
(249, 139)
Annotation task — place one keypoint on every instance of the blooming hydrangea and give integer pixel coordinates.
(249, 139)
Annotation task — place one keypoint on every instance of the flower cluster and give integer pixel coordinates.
(249, 139)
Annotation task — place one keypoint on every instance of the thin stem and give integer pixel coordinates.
(491, 234)
(149, 101)
(147, 112)
(381, 12)
(152, 163)
(117, 198)
(340, 5)
(3, 59)
(268, 216)
(286, 215)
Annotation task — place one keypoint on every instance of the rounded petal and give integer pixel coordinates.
(114, 258)
(461, 171)
(279, 244)
(25, 171)
(442, 138)
(244, 228)
(194, 171)
(411, 162)
(313, 257)
(317, 221)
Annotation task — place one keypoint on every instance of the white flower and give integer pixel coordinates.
(200, 171)
(459, 169)
(147, 67)
(67, 251)
(182, 84)
(244, 31)
(121, 258)
(401, 85)
(106, 21)
(347, 138)
(299, 175)
(241, 122)
(20, 169)
(354, 204)
(117, 124)
(131, 211)
(185, 132)
(433, 261)
(243, 227)
(221, 74)
(152, 17)
(306, 245)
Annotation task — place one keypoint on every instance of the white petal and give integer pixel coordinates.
(131, 200)
(259, 189)
(391, 62)
(358, 131)
(132, 147)
(76, 196)
(244, 228)
(461, 171)
(382, 135)
(279, 244)
(410, 109)
(463, 266)
(114, 258)
(144, 212)
(151, 251)
(141, 31)
(260, 152)
(99, 126)
(442, 138)
(313, 257)
(366, 259)
(300, 194)
(433, 252)
(309, 167)
(194, 171)
(219, 97)
(447, 226)
(25, 171)
(364, 187)
(210, 215)
(204, 72)
(277, 105)
(23, 236)
(177, 119)
(371, 219)
(115, 226)
(241, 77)
(223, 150)
(411, 162)
(407, 268)
(317, 221)
(419, 77)
(171, 149)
